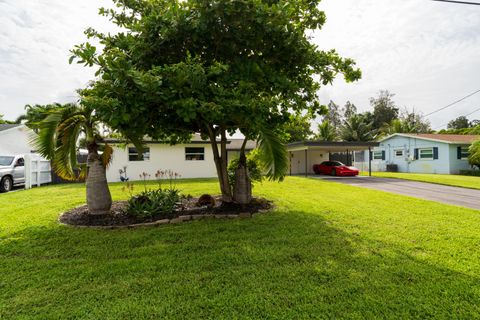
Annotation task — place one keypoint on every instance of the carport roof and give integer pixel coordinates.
(332, 145)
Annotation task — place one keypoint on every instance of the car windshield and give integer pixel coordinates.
(337, 163)
(5, 161)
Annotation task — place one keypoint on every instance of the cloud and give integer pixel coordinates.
(35, 39)
(424, 51)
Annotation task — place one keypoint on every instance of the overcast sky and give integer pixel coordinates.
(425, 52)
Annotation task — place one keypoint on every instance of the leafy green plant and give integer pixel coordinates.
(474, 173)
(254, 166)
(153, 202)
(474, 154)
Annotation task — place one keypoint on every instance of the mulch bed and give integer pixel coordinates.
(187, 208)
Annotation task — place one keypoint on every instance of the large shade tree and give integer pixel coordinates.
(212, 67)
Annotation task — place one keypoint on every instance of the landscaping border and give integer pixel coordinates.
(177, 220)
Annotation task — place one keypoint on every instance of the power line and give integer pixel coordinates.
(459, 2)
(453, 103)
(466, 115)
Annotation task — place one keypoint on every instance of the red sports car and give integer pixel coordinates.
(334, 168)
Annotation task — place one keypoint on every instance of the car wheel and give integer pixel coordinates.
(334, 172)
(6, 184)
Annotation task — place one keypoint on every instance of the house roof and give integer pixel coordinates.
(7, 126)
(236, 144)
(445, 138)
(332, 146)
(232, 144)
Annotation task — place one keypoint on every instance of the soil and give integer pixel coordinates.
(119, 217)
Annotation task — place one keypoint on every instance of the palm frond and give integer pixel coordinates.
(273, 154)
(44, 141)
(65, 159)
(107, 155)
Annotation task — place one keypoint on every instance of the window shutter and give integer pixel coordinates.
(435, 153)
(459, 152)
(383, 155)
(415, 154)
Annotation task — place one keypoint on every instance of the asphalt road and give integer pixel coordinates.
(451, 195)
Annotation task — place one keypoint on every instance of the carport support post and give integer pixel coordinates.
(306, 164)
(369, 161)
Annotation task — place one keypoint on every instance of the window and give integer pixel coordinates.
(134, 156)
(193, 154)
(20, 163)
(377, 155)
(399, 153)
(426, 154)
(464, 153)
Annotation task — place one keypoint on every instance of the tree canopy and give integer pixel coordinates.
(384, 109)
(211, 67)
(461, 122)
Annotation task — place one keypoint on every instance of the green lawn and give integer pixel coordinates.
(446, 179)
(328, 251)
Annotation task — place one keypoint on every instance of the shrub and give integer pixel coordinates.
(254, 167)
(153, 202)
(475, 173)
(474, 154)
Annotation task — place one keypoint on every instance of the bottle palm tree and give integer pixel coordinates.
(57, 139)
(274, 163)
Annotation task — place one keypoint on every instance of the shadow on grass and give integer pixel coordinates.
(279, 265)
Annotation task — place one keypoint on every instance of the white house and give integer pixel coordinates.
(14, 139)
(423, 153)
(190, 160)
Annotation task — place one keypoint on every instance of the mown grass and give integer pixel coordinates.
(327, 251)
(445, 179)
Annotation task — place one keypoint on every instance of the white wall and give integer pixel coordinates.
(297, 160)
(15, 141)
(162, 157)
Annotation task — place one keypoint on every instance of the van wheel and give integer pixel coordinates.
(6, 184)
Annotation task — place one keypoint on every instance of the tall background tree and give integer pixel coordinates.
(298, 128)
(384, 109)
(461, 122)
(212, 67)
(407, 122)
(326, 132)
(357, 128)
(349, 110)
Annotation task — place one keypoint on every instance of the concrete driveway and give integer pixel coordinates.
(451, 195)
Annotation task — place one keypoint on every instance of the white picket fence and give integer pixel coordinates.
(37, 171)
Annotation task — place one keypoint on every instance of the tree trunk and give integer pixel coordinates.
(99, 200)
(242, 190)
(221, 164)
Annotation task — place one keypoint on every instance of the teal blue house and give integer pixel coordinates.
(422, 153)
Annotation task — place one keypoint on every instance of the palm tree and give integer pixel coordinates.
(57, 139)
(326, 132)
(274, 161)
(398, 126)
(357, 128)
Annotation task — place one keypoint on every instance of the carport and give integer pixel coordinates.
(304, 154)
